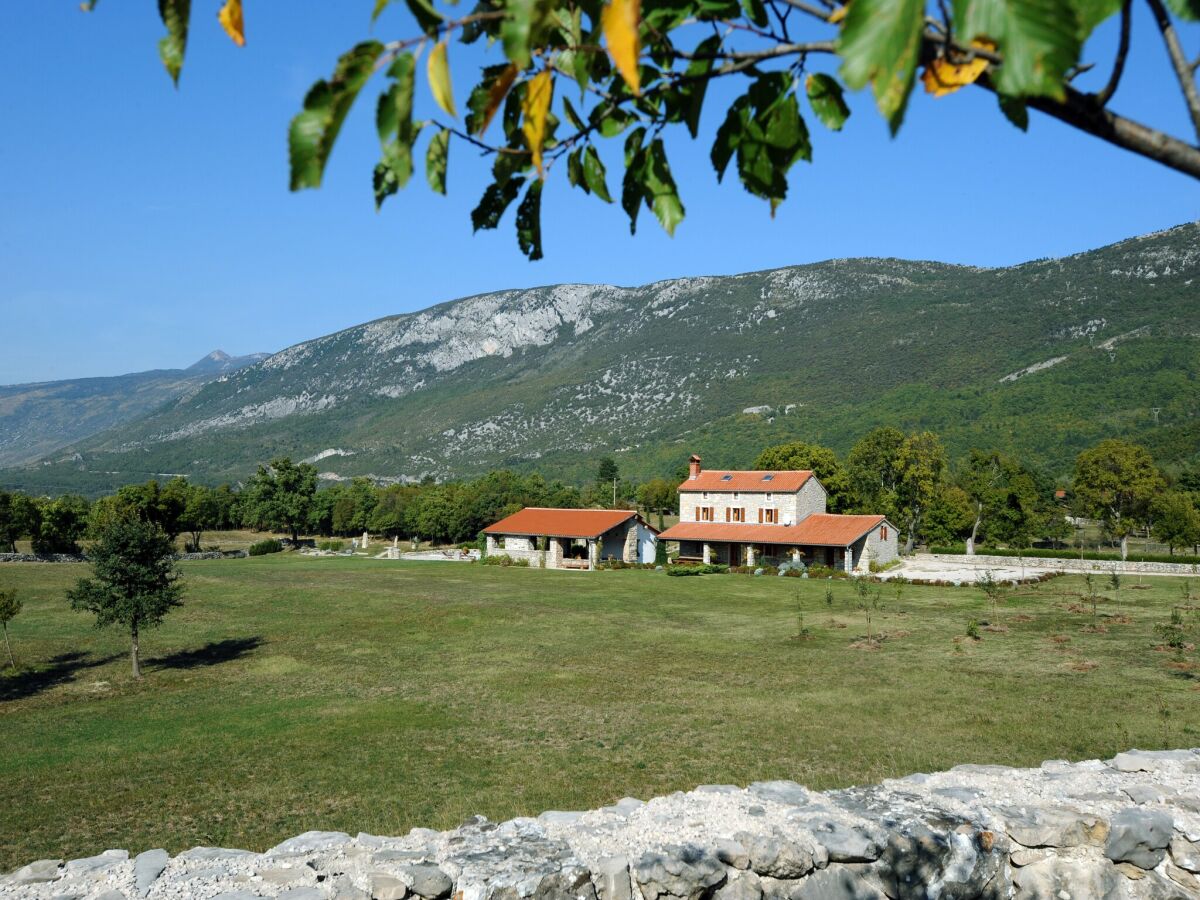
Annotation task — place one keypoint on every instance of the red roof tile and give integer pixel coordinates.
(819, 529)
(750, 481)
(572, 523)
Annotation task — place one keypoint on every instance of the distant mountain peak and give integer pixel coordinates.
(219, 361)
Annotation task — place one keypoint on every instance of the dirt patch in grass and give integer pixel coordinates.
(1118, 619)
(1021, 619)
(1083, 665)
(1094, 629)
(865, 644)
(1060, 639)
(995, 629)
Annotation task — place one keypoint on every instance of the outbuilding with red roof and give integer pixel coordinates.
(572, 538)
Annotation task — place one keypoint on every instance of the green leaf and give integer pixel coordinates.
(1092, 12)
(315, 129)
(879, 45)
(662, 196)
(436, 158)
(575, 170)
(612, 122)
(825, 95)
(631, 184)
(756, 11)
(487, 96)
(496, 199)
(1188, 10)
(594, 176)
(572, 115)
(729, 135)
(427, 17)
(523, 23)
(175, 14)
(380, 6)
(529, 221)
(1039, 41)
(695, 90)
(1014, 110)
(397, 132)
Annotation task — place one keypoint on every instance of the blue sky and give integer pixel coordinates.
(144, 226)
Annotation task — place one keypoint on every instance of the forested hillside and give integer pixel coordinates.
(1040, 360)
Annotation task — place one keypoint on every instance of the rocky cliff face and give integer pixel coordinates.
(1128, 827)
(546, 376)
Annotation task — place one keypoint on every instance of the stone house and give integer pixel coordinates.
(573, 538)
(770, 517)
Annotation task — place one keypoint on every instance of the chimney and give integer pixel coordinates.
(693, 467)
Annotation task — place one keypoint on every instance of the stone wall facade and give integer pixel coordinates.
(1128, 827)
(792, 507)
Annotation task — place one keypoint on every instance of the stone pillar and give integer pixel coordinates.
(707, 554)
(750, 554)
(492, 547)
(848, 561)
(591, 545)
(366, 541)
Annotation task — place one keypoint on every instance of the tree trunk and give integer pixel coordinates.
(12, 662)
(974, 530)
(1124, 546)
(660, 520)
(910, 541)
(196, 535)
(295, 534)
(133, 651)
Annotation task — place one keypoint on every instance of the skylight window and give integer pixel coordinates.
(770, 476)
(727, 478)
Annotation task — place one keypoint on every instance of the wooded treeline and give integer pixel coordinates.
(985, 498)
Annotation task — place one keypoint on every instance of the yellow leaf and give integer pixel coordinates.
(942, 77)
(230, 18)
(496, 95)
(439, 79)
(534, 108)
(838, 14)
(620, 22)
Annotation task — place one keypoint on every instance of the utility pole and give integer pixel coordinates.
(614, 492)
(1155, 410)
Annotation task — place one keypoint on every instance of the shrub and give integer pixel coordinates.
(973, 630)
(819, 571)
(769, 570)
(262, 548)
(335, 546)
(794, 573)
(505, 561)
(701, 569)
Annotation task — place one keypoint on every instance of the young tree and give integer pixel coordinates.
(643, 68)
(134, 582)
(1176, 520)
(607, 473)
(1115, 481)
(10, 605)
(659, 496)
(821, 461)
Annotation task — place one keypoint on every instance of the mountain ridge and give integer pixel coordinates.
(1040, 358)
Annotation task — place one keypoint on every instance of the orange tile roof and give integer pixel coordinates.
(819, 529)
(785, 481)
(572, 523)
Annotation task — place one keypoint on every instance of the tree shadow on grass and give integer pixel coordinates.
(211, 654)
(58, 670)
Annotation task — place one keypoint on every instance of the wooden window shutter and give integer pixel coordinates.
(697, 514)
(760, 515)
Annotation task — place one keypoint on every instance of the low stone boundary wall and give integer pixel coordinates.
(1125, 828)
(42, 557)
(1066, 564)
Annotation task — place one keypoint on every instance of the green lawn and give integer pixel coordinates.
(292, 693)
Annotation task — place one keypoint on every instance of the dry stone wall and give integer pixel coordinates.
(1128, 827)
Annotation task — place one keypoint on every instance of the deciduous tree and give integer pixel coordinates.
(280, 495)
(1115, 481)
(134, 582)
(636, 68)
(821, 461)
(10, 605)
(1176, 520)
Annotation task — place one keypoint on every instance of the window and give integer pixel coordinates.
(770, 476)
(768, 495)
(727, 477)
(739, 513)
(704, 513)
(770, 516)
(735, 495)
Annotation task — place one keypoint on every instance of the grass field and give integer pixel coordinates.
(292, 693)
